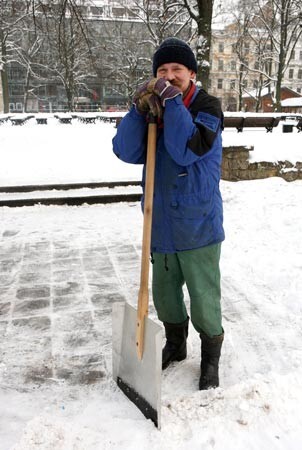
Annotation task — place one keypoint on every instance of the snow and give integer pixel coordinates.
(264, 91)
(295, 101)
(78, 152)
(258, 404)
(274, 147)
(60, 153)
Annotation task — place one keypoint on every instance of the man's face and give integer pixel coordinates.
(178, 75)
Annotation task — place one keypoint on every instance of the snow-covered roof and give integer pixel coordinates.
(254, 93)
(293, 101)
(265, 91)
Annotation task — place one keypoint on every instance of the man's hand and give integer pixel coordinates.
(152, 95)
(145, 101)
(165, 90)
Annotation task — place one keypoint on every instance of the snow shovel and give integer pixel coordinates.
(137, 340)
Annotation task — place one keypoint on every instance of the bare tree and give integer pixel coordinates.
(13, 15)
(273, 27)
(45, 37)
(282, 20)
(162, 18)
(70, 57)
(127, 57)
(122, 57)
(252, 47)
(201, 12)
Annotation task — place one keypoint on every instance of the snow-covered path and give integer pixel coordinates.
(88, 257)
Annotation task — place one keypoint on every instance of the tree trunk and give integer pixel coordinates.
(25, 98)
(4, 77)
(204, 26)
(281, 61)
(70, 97)
(240, 93)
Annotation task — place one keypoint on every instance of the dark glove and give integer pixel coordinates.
(145, 101)
(165, 90)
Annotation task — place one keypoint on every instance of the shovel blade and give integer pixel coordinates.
(140, 380)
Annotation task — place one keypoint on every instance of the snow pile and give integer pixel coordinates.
(252, 414)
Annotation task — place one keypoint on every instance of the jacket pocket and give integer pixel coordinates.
(190, 206)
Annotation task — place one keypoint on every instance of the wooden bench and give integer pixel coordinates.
(41, 120)
(17, 121)
(4, 119)
(87, 119)
(65, 120)
(108, 119)
(268, 122)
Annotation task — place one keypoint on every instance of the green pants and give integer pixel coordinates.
(199, 270)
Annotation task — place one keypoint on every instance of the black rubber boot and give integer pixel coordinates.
(176, 345)
(210, 354)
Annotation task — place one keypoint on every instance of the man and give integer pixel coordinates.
(187, 226)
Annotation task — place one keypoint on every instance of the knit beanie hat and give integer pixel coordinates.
(174, 50)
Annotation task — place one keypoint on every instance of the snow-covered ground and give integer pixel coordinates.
(61, 153)
(258, 405)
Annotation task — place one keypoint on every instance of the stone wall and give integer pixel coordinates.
(236, 166)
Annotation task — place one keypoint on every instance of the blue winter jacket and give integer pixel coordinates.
(187, 204)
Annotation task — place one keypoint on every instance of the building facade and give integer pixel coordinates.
(236, 71)
(122, 54)
(1, 100)
(230, 77)
(293, 74)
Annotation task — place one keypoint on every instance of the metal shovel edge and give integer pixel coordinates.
(136, 339)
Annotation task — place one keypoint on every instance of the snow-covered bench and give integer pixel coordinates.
(240, 122)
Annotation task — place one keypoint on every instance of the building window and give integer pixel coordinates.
(300, 55)
(118, 12)
(299, 90)
(234, 48)
(291, 74)
(16, 89)
(133, 13)
(220, 83)
(83, 10)
(300, 74)
(233, 84)
(96, 10)
(246, 48)
(293, 55)
(233, 65)
(220, 64)
(16, 73)
(256, 65)
(221, 47)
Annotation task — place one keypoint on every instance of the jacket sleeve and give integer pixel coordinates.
(129, 143)
(188, 139)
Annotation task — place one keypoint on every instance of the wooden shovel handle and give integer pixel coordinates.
(143, 295)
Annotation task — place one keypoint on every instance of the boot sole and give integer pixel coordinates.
(177, 359)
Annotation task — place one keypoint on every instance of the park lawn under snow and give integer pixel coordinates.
(258, 405)
(60, 153)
